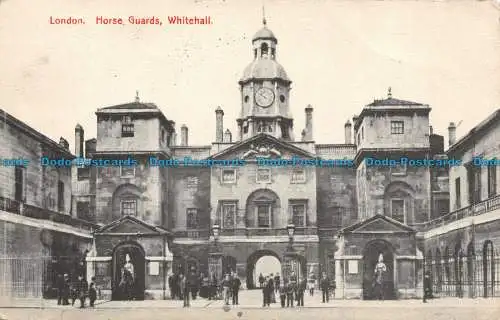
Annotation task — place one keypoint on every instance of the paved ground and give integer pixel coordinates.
(439, 309)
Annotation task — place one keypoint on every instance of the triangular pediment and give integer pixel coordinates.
(378, 224)
(262, 146)
(130, 225)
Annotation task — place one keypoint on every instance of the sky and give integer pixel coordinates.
(340, 56)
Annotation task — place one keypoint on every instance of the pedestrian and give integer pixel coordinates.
(290, 289)
(301, 288)
(171, 285)
(277, 282)
(60, 288)
(66, 289)
(271, 292)
(282, 294)
(311, 283)
(81, 291)
(92, 292)
(236, 284)
(261, 280)
(325, 286)
(226, 288)
(185, 290)
(265, 293)
(193, 283)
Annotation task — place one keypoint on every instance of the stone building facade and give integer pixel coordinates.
(41, 235)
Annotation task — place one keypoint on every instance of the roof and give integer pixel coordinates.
(264, 34)
(492, 119)
(33, 133)
(264, 69)
(380, 222)
(132, 105)
(393, 102)
(131, 224)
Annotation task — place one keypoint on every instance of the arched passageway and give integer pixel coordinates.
(262, 262)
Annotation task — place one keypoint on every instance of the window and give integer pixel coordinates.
(264, 215)
(229, 215)
(398, 209)
(264, 49)
(83, 210)
(264, 126)
(492, 181)
(397, 127)
(163, 135)
(298, 214)
(458, 195)
(264, 175)
(129, 207)
(298, 176)
(19, 182)
(474, 181)
(127, 127)
(192, 218)
(284, 132)
(60, 196)
(83, 173)
(127, 171)
(228, 176)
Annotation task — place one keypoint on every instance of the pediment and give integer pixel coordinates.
(262, 146)
(130, 225)
(379, 224)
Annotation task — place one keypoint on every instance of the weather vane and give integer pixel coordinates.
(264, 14)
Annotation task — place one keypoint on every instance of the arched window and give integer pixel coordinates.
(264, 49)
(263, 207)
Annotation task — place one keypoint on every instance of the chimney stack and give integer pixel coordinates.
(79, 139)
(64, 143)
(228, 137)
(309, 123)
(348, 132)
(219, 125)
(355, 119)
(184, 135)
(452, 134)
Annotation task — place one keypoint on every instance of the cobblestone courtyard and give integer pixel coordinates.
(439, 309)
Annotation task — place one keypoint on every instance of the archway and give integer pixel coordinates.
(137, 258)
(262, 261)
(371, 255)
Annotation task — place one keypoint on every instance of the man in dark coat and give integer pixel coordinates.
(60, 288)
(266, 299)
(193, 283)
(261, 280)
(325, 286)
(235, 288)
(301, 288)
(277, 282)
(290, 290)
(272, 295)
(92, 292)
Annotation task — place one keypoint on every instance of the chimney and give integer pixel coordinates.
(228, 137)
(355, 119)
(309, 123)
(64, 143)
(452, 134)
(431, 130)
(79, 139)
(184, 135)
(348, 132)
(219, 125)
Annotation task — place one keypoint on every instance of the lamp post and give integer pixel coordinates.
(289, 252)
(215, 257)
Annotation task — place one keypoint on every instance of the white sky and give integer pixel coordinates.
(340, 55)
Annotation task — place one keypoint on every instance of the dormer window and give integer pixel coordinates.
(127, 127)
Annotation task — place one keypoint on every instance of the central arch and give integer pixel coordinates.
(253, 261)
(138, 260)
(371, 254)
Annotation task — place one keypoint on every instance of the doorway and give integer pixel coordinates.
(137, 259)
(371, 255)
(262, 262)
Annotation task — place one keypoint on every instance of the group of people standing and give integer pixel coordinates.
(189, 287)
(73, 290)
(292, 290)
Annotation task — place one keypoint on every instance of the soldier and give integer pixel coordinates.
(311, 283)
(272, 295)
(226, 287)
(261, 280)
(427, 286)
(184, 290)
(60, 288)
(277, 282)
(66, 289)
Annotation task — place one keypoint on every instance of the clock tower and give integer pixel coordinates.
(265, 91)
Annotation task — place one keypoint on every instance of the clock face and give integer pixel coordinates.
(264, 97)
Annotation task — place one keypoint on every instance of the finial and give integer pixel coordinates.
(137, 96)
(264, 22)
(389, 93)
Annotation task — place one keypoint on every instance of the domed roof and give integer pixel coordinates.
(264, 69)
(264, 33)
